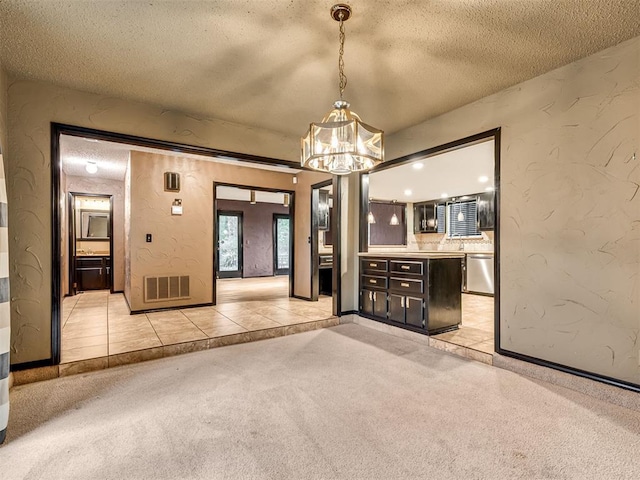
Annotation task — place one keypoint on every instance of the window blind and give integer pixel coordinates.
(466, 227)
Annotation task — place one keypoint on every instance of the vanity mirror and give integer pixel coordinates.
(94, 225)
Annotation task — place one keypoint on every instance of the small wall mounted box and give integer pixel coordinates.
(176, 207)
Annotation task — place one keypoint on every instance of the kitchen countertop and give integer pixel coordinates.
(414, 254)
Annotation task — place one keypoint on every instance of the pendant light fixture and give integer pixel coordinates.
(342, 143)
(394, 218)
(460, 213)
(371, 218)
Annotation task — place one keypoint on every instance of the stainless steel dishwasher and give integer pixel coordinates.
(479, 273)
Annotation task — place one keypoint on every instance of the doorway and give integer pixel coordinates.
(322, 240)
(281, 244)
(229, 244)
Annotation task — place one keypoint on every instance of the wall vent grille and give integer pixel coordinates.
(166, 287)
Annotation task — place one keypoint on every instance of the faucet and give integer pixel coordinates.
(461, 246)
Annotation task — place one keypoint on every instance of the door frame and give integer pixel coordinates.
(72, 237)
(235, 273)
(292, 202)
(315, 229)
(276, 270)
(58, 129)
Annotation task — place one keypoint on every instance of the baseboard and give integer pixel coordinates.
(47, 362)
(589, 386)
(300, 297)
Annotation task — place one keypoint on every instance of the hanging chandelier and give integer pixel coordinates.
(342, 143)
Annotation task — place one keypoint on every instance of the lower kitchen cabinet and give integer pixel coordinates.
(407, 310)
(373, 303)
(420, 294)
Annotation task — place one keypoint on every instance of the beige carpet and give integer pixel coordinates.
(346, 402)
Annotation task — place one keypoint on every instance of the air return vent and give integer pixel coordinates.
(166, 287)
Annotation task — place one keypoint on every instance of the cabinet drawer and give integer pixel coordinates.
(89, 262)
(414, 268)
(373, 265)
(406, 285)
(372, 281)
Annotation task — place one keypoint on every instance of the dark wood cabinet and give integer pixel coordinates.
(93, 273)
(486, 211)
(425, 217)
(421, 294)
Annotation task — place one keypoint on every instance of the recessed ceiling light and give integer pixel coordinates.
(489, 189)
(444, 195)
(417, 166)
(408, 192)
(91, 167)
(483, 179)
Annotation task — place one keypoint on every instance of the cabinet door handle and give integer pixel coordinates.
(371, 296)
(405, 267)
(407, 303)
(374, 296)
(406, 285)
(402, 302)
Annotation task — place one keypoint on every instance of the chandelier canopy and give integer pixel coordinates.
(342, 143)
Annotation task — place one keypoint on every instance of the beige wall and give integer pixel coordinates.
(32, 106)
(102, 186)
(183, 245)
(570, 208)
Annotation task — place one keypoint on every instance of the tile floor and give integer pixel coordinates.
(98, 324)
(476, 330)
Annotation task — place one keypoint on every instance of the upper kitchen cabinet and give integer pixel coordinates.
(428, 217)
(324, 200)
(486, 211)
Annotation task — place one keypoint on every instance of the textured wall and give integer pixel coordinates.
(182, 244)
(103, 186)
(257, 235)
(5, 311)
(570, 208)
(32, 106)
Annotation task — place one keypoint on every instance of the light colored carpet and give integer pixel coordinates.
(346, 402)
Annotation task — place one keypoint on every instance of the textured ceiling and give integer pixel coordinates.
(273, 63)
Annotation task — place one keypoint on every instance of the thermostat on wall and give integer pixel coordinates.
(176, 207)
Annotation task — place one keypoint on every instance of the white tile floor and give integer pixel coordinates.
(98, 324)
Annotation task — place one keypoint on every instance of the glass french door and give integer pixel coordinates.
(229, 244)
(281, 244)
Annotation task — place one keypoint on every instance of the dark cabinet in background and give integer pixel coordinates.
(425, 217)
(323, 210)
(93, 273)
(486, 211)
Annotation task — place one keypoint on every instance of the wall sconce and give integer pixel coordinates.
(286, 200)
(171, 182)
(252, 199)
(370, 218)
(176, 207)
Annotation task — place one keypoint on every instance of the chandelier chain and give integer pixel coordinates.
(342, 76)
